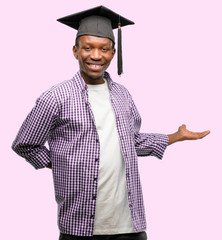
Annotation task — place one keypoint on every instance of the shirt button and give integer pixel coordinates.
(94, 197)
(97, 159)
(92, 216)
(97, 140)
(95, 178)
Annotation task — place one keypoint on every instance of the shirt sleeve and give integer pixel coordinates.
(147, 144)
(30, 140)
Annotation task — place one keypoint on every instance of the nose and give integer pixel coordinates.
(96, 54)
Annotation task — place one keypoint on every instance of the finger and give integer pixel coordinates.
(196, 135)
(183, 127)
(200, 135)
(205, 133)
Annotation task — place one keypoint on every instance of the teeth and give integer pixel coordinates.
(95, 66)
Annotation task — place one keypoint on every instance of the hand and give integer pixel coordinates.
(49, 165)
(184, 134)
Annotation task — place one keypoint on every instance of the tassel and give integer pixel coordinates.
(119, 51)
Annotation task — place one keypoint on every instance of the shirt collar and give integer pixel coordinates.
(83, 86)
(109, 80)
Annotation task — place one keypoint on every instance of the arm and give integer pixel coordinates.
(146, 144)
(31, 138)
(155, 144)
(183, 134)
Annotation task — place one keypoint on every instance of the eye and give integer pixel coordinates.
(104, 49)
(87, 48)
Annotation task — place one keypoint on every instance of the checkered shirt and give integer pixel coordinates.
(63, 117)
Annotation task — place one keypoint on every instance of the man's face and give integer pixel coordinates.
(94, 55)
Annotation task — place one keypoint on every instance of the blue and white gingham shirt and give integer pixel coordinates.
(63, 117)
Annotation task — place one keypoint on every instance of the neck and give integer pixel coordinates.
(92, 81)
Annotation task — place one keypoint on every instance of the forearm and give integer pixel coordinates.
(38, 156)
(151, 144)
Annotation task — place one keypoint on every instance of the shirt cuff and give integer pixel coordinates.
(160, 144)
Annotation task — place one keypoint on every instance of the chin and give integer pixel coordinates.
(95, 77)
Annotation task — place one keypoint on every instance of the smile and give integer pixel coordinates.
(94, 67)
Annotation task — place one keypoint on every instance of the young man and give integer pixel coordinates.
(92, 127)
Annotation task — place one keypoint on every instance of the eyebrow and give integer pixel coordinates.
(89, 43)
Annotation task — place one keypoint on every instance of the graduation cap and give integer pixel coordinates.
(99, 22)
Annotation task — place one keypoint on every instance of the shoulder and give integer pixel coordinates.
(62, 90)
(117, 87)
(121, 87)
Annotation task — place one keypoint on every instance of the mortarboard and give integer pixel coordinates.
(99, 22)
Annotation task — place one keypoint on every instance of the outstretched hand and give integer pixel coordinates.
(184, 134)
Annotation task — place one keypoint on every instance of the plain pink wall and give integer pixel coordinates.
(172, 67)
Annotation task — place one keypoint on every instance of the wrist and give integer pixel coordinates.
(175, 137)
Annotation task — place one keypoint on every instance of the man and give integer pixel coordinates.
(92, 127)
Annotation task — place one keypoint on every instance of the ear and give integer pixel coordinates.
(113, 52)
(75, 52)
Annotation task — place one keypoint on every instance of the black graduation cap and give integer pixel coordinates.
(99, 22)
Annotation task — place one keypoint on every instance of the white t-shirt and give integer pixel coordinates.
(112, 208)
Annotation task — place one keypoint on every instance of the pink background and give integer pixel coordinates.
(172, 67)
